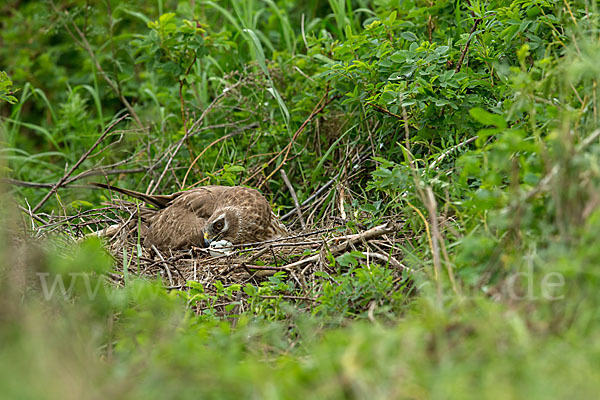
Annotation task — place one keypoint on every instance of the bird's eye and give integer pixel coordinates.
(218, 225)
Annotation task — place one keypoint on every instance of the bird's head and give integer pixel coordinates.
(224, 224)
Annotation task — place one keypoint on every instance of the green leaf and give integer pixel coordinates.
(282, 107)
(487, 118)
(250, 290)
(259, 52)
(441, 50)
(349, 259)
(411, 37)
(81, 203)
(136, 14)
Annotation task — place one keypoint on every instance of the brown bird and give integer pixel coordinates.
(199, 216)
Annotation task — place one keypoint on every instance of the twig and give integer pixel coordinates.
(385, 111)
(16, 182)
(359, 161)
(466, 48)
(225, 137)
(31, 215)
(258, 254)
(451, 149)
(61, 219)
(78, 163)
(323, 102)
(178, 146)
(285, 238)
(311, 197)
(83, 42)
(350, 240)
(371, 312)
(164, 263)
(108, 232)
(438, 239)
(85, 174)
(294, 197)
(369, 234)
(570, 12)
(104, 172)
(236, 309)
(264, 267)
(388, 259)
(435, 238)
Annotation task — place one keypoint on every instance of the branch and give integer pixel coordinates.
(229, 135)
(349, 241)
(311, 198)
(385, 111)
(85, 174)
(466, 48)
(192, 131)
(294, 197)
(78, 163)
(323, 102)
(87, 47)
(451, 149)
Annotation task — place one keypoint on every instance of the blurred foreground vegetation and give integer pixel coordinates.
(473, 124)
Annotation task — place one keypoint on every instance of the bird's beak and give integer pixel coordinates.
(206, 240)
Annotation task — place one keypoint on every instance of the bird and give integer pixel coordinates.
(200, 216)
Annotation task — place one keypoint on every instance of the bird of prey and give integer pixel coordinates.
(202, 215)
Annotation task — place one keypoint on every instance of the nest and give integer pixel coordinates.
(298, 258)
(325, 231)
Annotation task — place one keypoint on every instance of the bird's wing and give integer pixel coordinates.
(181, 223)
(175, 227)
(201, 201)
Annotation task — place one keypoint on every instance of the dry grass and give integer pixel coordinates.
(300, 255)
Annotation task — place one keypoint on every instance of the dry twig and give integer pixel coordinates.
(294, 197)
(463, 53)
(349, 240)
(78, 163)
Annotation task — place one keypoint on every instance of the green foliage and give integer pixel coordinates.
(6, 94)
(151, 337)
(472, 125)
(360, 290)
(228, 176)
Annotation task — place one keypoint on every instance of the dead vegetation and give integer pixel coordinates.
(300, 255)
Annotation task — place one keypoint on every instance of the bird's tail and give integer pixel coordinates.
(159, 201)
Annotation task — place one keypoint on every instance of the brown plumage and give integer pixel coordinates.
(184, 219)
